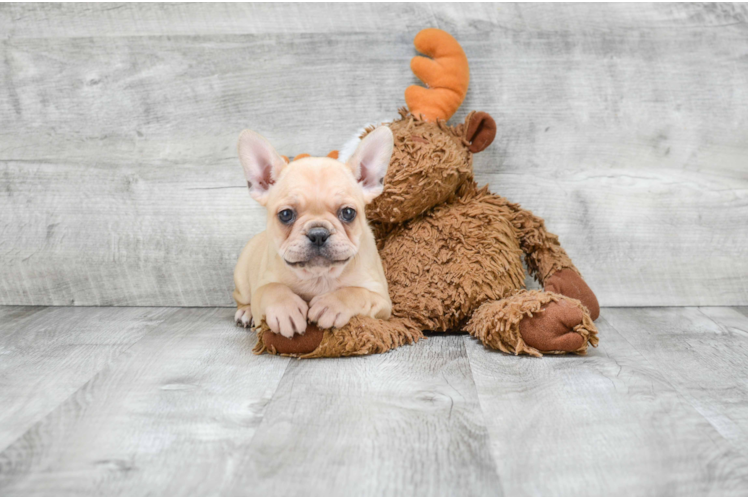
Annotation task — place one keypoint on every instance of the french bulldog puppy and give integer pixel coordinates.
(317, 260)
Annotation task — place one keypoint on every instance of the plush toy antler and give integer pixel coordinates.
(332, 154)
(464, 244)
(446, 74)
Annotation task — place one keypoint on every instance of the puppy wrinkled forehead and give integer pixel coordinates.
(312, 167)
(323, 174)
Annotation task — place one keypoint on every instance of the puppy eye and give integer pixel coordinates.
(347, 214)
(286, 216)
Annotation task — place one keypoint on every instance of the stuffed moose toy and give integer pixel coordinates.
(452, 252)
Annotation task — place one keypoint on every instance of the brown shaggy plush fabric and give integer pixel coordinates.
(498, 324)
(359, 337)
(452, 254)
(427, 165)
(443, 264)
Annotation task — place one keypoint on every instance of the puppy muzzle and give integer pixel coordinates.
(319, 249)
(318, 236)
(318, 252)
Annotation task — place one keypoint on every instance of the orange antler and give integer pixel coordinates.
(446, 74)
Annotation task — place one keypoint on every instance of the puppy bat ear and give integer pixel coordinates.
(370, 161)
(262, 164)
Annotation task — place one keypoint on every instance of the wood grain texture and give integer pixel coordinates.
(403, 423)
(46, 354)
(611, 423)
(174, 403)
(197, 19)
(705, 353)
(149, 237)
(169, 417)
(11, 315)
(221, 19)
(624, 126)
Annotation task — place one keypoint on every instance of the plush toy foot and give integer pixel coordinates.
(534, 322)
(360, 336)
(298, 344)
(552, 329)
(567, 282)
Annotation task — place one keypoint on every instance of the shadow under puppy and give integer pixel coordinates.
(317, 261)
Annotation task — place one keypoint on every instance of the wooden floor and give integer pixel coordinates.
(171, 401)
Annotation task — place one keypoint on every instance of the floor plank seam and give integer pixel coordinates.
(686, 398)
(468, 338)
(73, 393)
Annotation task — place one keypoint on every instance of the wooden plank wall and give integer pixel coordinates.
(624, 125)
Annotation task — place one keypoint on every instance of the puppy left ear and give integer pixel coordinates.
(261, 163)
(370, 161)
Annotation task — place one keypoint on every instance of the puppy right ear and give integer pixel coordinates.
(262, 164)
(370, 161)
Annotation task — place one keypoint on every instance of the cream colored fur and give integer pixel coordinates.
(282, 276)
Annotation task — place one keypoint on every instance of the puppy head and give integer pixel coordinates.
(316, 205)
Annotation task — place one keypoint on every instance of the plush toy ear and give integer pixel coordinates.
(370, 161)
(262, 164)
(480, 131)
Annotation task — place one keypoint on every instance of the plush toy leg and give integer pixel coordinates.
(360, 336)
(569, 283)
(534, 322)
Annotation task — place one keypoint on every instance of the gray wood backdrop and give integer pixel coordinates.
(624, 126)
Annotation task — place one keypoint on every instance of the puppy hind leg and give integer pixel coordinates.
(243, 316)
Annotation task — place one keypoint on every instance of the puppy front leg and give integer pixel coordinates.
(284, 311)
(338, 307)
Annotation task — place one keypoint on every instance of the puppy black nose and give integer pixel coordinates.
(318, 236)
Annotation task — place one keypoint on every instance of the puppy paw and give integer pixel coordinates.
(243, 317)
(287, 316)
(327, 311)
